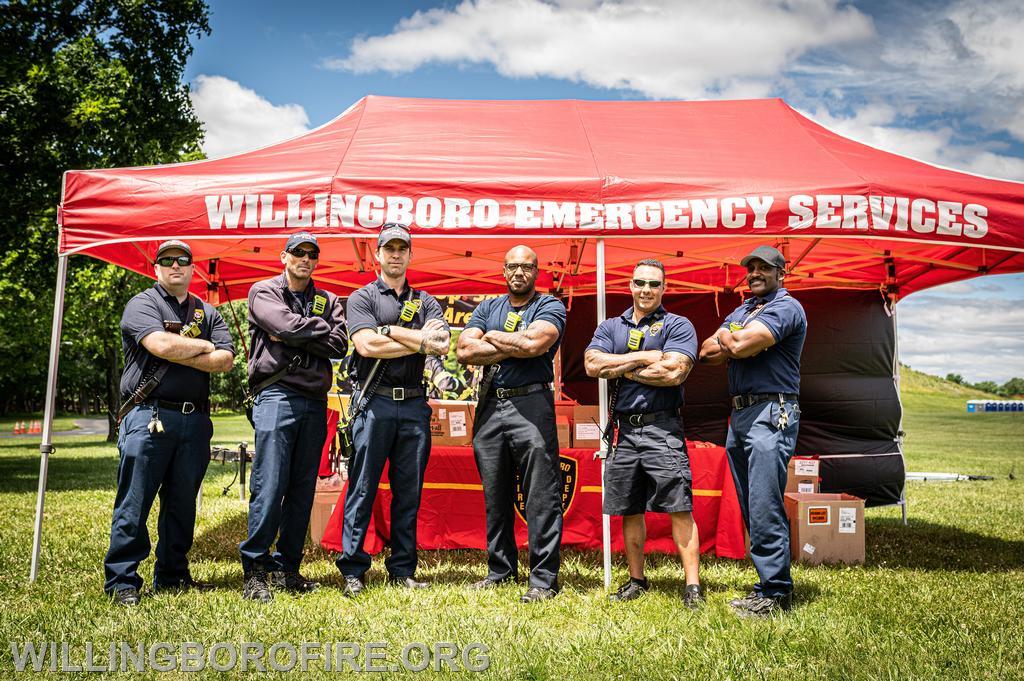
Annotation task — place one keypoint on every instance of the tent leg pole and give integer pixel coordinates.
(899, 396)
(46, 446)
(602, 392)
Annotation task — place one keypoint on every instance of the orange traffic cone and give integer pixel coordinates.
(37, 427)
(19, 427)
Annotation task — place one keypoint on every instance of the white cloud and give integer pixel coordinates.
(879, 126)
(982, 345)
(660, 48)
(237, 119)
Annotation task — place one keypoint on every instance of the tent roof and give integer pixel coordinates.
(696, 184)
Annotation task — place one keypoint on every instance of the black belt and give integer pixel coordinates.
(399, 393)
(645, 419)
(744, 401)
(505, 393)
(183, 407)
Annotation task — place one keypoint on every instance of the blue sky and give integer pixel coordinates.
(939, 81)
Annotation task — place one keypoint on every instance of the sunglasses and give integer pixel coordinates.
(527, 267)
(653, 283)
(313, 253)
(169, 260)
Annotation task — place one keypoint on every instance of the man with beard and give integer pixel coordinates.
(172, 342)
(295, 329)
(516, 336)
(650, 352)
(394, 328)
(761, 341)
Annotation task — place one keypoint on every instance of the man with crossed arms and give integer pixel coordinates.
(650, 352)
(762, 340)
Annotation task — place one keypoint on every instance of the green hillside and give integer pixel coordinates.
(939, 431)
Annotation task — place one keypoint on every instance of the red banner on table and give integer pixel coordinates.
(452, 508)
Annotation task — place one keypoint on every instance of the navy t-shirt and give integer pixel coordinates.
(377, 304)
(145, 314)
(777, 369)
(491, 315)
(662, 331)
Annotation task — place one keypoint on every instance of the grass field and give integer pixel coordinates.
(942, 597)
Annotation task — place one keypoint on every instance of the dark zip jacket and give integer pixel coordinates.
(310, 326)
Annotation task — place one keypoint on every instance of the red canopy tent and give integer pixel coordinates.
(696, 184)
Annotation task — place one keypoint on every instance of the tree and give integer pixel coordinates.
(1014, 388)
(95, 83)
(955, 378)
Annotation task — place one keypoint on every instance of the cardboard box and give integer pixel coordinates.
(586, 427)
(451, 423)
(562, 424)
(826, 528)
(323, 507)
(803, 475)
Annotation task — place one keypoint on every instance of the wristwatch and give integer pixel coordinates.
(385, 331)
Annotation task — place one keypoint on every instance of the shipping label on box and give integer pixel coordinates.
(802, 475)
(586, 427)
(826, 528)
(451, 423)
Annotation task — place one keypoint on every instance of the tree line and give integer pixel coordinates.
(1011, 390)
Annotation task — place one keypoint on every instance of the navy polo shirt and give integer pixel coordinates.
(662, 331)
(491, 314)
(377, 304)
(144, 314)
(777, 369)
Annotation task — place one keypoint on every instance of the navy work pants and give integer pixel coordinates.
(170, 465)
(759, 452)
(290, 434)
(386, 430)
(519, 434)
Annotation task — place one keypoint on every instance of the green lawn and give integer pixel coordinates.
(943, 597)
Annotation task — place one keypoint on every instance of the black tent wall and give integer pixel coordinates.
(850, 409)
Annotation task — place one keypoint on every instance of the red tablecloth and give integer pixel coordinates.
(452, 509)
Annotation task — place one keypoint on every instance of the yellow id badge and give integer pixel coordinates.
(636, 336)
(409, 309)
(512, 321)
(191, 331)
(734, 327)
(319, 304)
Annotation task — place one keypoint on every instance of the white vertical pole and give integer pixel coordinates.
(46, 446)
(602, 409)
(896, 379)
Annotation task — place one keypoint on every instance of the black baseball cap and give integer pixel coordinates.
(300, 238)
(768, 254)
(172, 243)
(392, 231)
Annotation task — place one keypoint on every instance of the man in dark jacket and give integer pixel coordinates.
(295, 328)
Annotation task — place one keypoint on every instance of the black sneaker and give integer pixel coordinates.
(292, 581)
(693, 597)
(128, 596)
(764, 607)
(537, 593)
(742, 602)
(407, 583)
(489, 583)
(629, 591)
(257, 587)
(353, 586)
